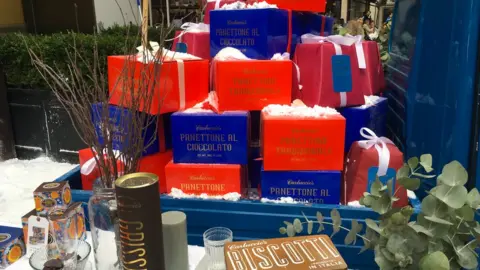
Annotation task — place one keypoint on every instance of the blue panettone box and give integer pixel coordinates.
(372, 116)
(211, 138)
(316, 23)
(322, 187)
(120, 119)
(258, 33)
(12, 247)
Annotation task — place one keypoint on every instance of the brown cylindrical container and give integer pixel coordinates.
(140, 219)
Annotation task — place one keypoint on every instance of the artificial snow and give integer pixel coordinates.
(299, 111)
(282, 200)
(229, 53)
(179, 194)
(18, 180)
(370, 101)
(355, 204)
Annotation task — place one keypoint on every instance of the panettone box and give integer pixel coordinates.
(293, 253)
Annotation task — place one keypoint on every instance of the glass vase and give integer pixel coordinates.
(104, 225)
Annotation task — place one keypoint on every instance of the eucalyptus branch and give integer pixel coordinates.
(341, 227)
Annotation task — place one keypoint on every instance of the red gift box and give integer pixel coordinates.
(215, 4)
(314, 59)
(366, 154)
(178, 84)
(150, 164)
(196, 37)
(372, 77)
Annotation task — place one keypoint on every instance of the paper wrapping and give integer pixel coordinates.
(359, 161)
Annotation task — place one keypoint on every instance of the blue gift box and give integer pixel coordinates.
(258, 33)
(120, 118)
(12, 247)
(373, 117)
(305, 186)
(315, 23)
(211, 138)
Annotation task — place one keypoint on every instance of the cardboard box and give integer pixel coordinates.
(296, 143)
(211, 138)
(170, 92)
(372, 116)
(120, 119)
(151, 164)
(251, 85)
(321, 187)
(295, 253)
(12, 247)
(211, 179)
(257, 33)
(52, 194)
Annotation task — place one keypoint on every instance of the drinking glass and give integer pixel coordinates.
(214, 240)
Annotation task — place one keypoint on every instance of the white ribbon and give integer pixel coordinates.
(88, 167)
(380, 144)
(362, 63)
(286, 56)
(181, 83)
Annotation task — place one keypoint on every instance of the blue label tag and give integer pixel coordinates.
(372, 175)
(342, 73)
(181, 47)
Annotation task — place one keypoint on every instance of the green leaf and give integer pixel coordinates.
(397, 244)
(432, 206)
(376, 186)
(473, 198)
(435, 219)
(336, 220)
(426, 162)
(373, 225)
(434, 261)
(352, 234)
(350, 238)
(409, 183)
(453, 174)
(282, 230)
(419, 228)
(309, 227)
(287, 223)
(383, 204)
(297, 225)
(382, 262)
(466, 258)
(435, 245)
(466, 213)
(403, 172)
(413, 163)
(453, 196)
(390, 186)
(320, 222)
(290, 231)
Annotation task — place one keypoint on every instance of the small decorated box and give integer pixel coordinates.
(210, 179)
(80, 221)
(202, 136)
(257, 33)
(372, 115)
(299, 138)
(120, 118)
(322, 187)
(250, 85)
(151, 164)
(176, 83)
(12, 247)
(52, 194)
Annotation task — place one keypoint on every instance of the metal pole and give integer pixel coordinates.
(167, 2)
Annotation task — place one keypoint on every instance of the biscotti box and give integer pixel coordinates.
(210, 138)
(293, 253)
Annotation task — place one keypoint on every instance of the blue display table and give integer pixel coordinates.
(252, 219)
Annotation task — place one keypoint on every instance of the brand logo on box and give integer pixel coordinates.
(202, 177)
(207, 128)
(300, 182)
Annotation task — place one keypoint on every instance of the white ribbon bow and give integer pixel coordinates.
(88, 167)
(380, 144)
(190, 27)
(286, 56)
(362, 64)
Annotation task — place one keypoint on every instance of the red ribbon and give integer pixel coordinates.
(289, 44)
(322, 30)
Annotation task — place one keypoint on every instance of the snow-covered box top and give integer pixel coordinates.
(296, 111)
(241, 5)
